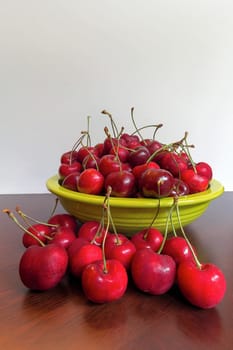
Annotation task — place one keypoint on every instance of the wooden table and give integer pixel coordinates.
(63, 319)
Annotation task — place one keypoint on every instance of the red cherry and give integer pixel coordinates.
(90, 181)
(69, 157)
(70, 181)
(102, 286)
(203, 286)
(180, 188)
(204, 169)
(196, 183)
(148, 238)
(138, 156)
(92, 231)
(83, 256)
(63, 220)
(119, 247)
(156, 183)
(108, 164)
(122, 183)
(63, 236)
(138, 170)
(153, 273)
(42, 268)
(67, 169)
(178, 249)
(85, 151)
(173, 163)
(41, 231)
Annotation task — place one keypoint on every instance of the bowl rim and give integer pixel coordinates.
(215, 190)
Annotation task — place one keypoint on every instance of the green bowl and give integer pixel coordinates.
(133, 214)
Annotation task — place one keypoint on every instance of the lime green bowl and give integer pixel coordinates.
(133, 214)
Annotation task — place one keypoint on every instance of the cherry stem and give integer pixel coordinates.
(106, 207)
(25, 217)
(88, 131)
(134, 123)
(153, 220)
(166, 227)
(199, 265)
(113, 124)
(12, 216)
(54, 207)
(114, 146)
(149, 126)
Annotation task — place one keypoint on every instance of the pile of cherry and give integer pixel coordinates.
(123, 165)
(133, 166)
(102, 261)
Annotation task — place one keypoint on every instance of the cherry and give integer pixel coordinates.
(121, 152)
(104, 283)
(148, 238)
(138, 170)
(69, 157)
(180, 188)
(173, 163)
(63, 236)
(91, 161)
(203, 286)
(196, 182)
(119, 247)
(41, 231)
(138, 156)
(85, 151)
(71, 181)
(63, 220)
(156, 183)
(204, 169)
(90, 181)
(178, 248)
(153, 273)
(92, 231)
(108, 164)
(123, 183)
(83, 255)
(66, 169)
(43, 267)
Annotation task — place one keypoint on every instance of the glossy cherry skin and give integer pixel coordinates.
(83, 256)
(180, 188)
(38, 230)
(90, 161)
(138, 156)
(203, 287)
(92, 231)
(63, 236)
(84, 151)
(178, 249)
(71, 181)
(196, 182)
(42, 268)
(156, 183)
(102, 286)
(204, 169)
(69, 157)
(90, 181)
(122, 183)
(153, 273)
(119, 247)
(66, 169)
(153, 146)
(63, 220)
(148, 238)
(138, 170)
(108, 164)
(173, 163)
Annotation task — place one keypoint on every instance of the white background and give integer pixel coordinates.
(62, 61)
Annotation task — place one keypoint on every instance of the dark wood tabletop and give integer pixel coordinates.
(62, 318)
